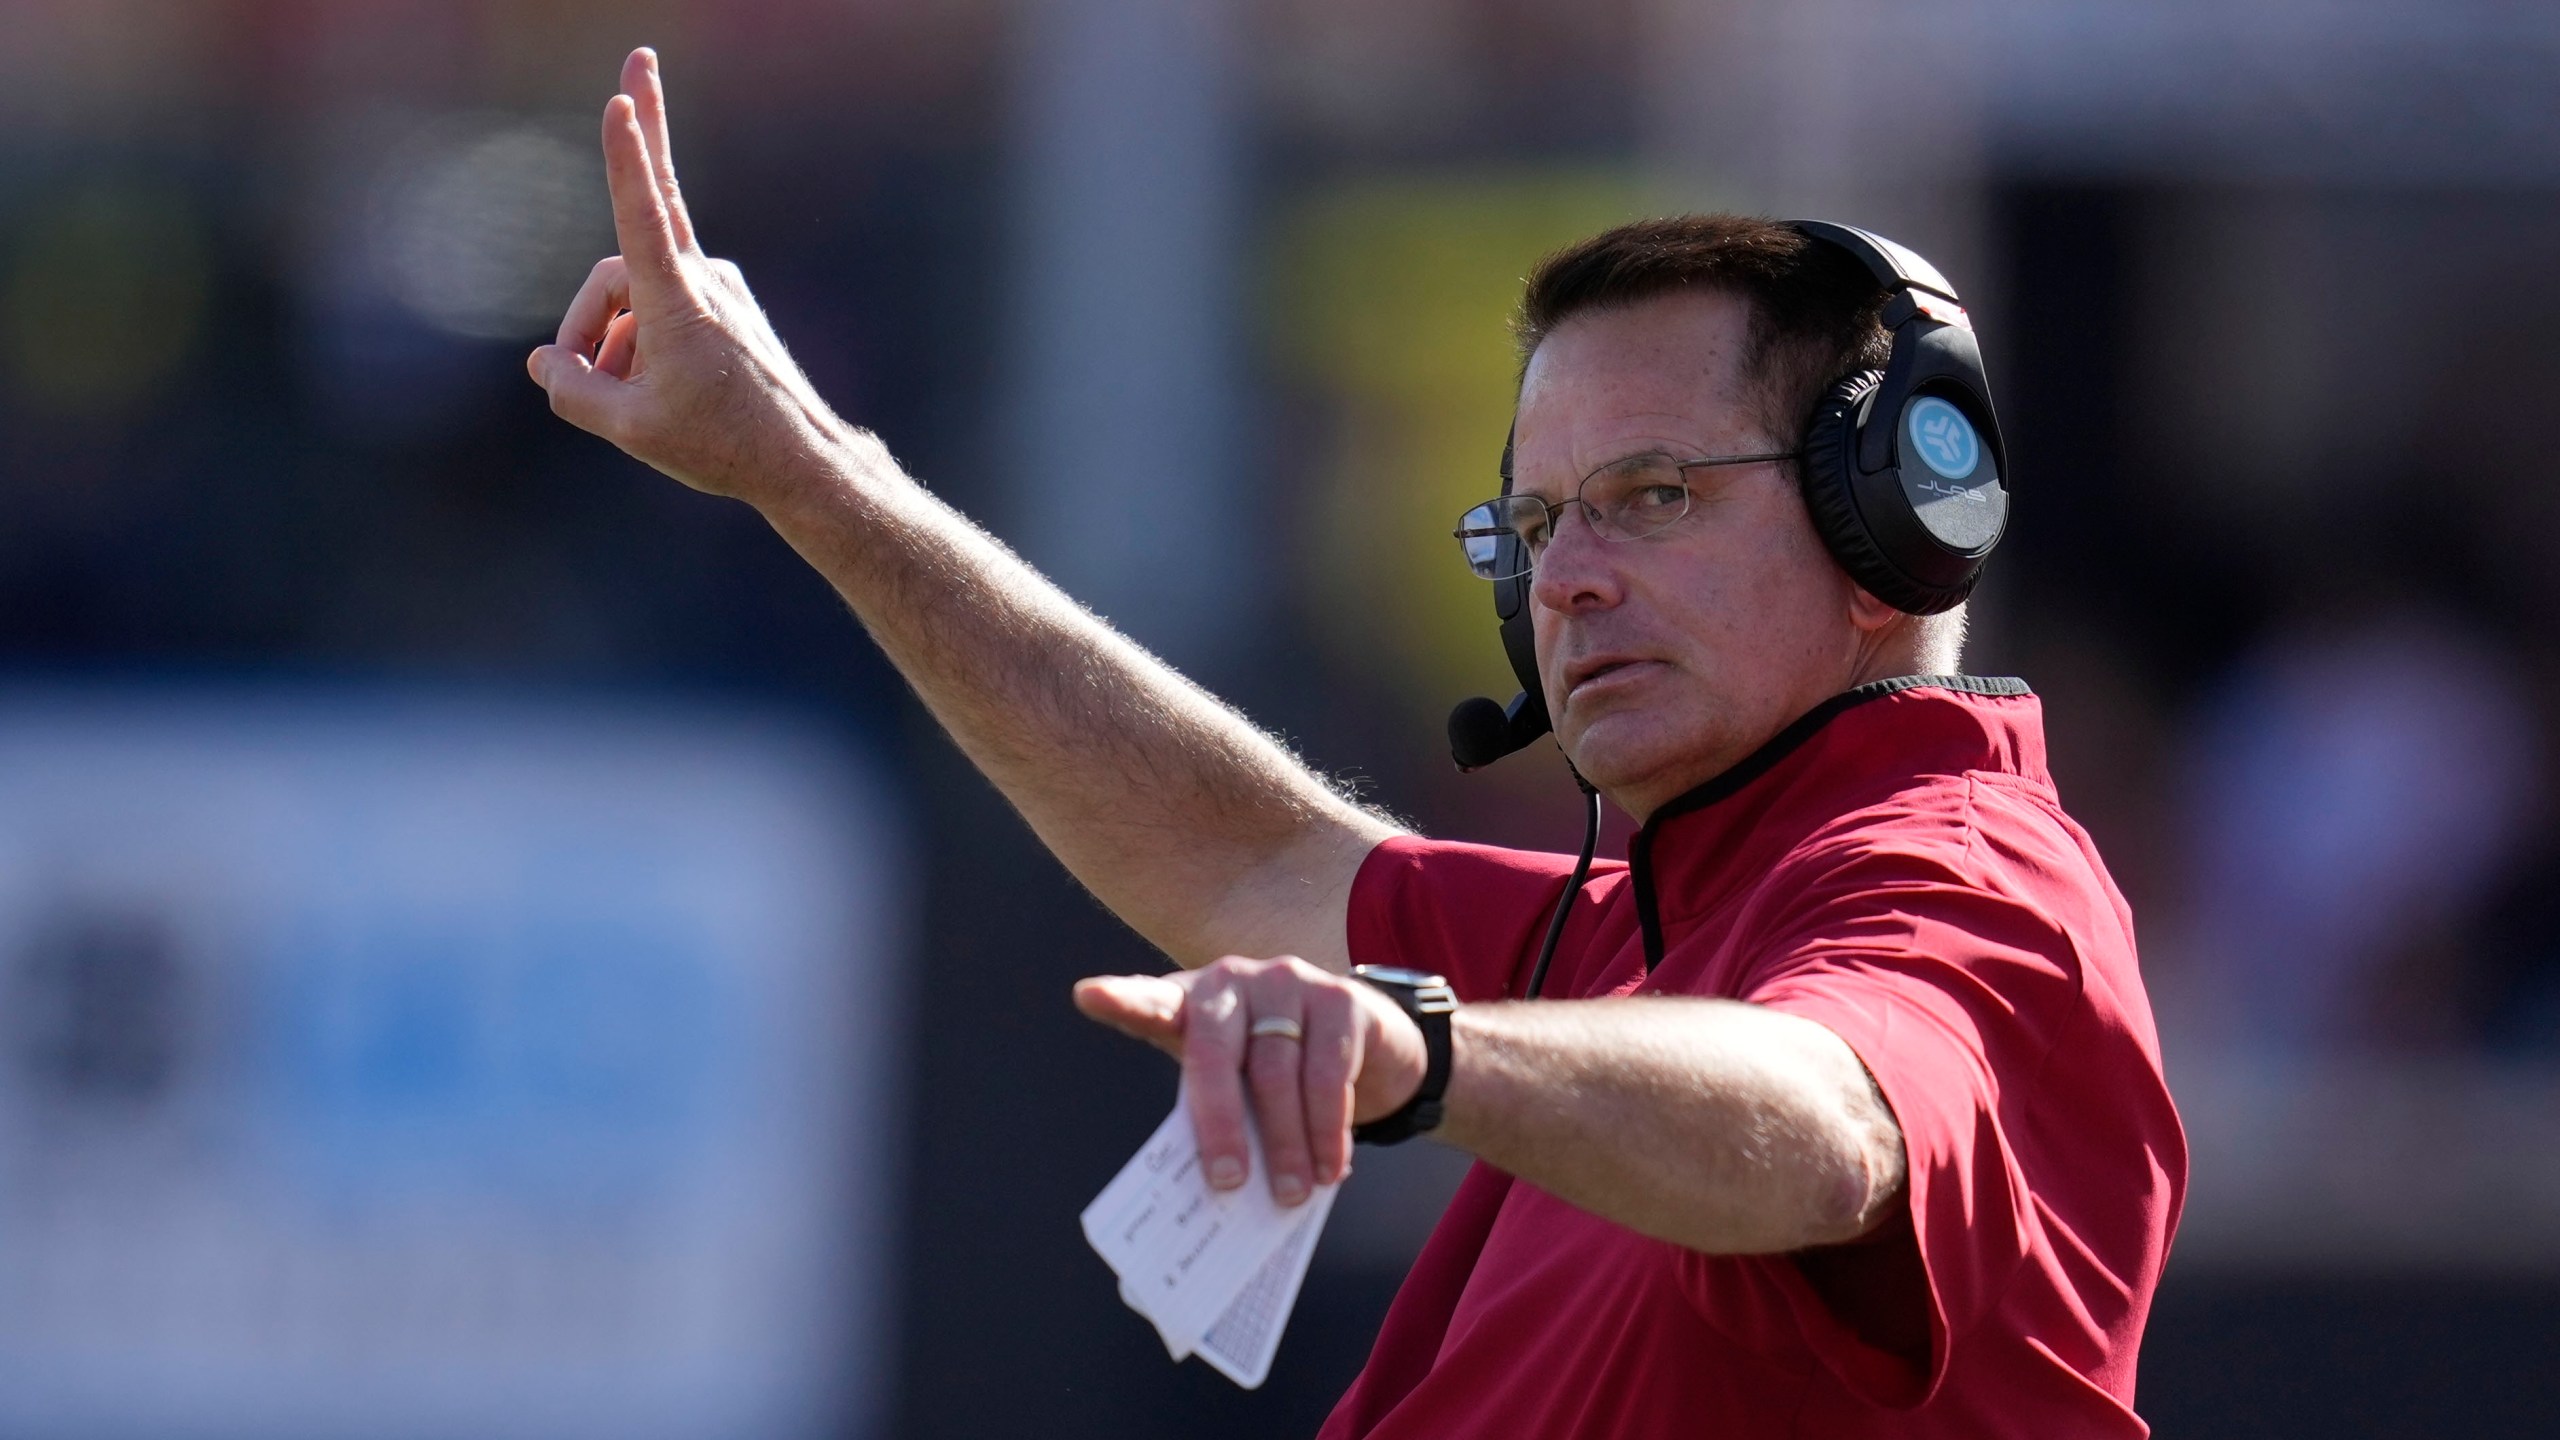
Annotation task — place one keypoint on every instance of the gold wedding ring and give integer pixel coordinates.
(1280, 1026)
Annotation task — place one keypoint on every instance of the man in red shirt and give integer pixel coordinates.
(1840, 1112)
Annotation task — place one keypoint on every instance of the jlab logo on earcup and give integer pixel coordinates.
(1943, 439)
(1954, 489)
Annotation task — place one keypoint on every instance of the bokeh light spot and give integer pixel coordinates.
(486, 232)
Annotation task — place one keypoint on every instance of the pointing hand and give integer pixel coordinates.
(1341, 1053)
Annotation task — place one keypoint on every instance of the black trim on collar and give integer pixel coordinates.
(1758, 763)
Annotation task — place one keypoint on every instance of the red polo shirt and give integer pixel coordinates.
(1897, 867)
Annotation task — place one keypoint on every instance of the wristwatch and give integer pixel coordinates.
(1429, 1001)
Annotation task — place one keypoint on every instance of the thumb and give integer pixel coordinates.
(580, 394)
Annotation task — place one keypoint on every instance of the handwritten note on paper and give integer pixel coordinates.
(1216, 1271)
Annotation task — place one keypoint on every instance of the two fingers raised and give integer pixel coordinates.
(649, 275)
(649, 217)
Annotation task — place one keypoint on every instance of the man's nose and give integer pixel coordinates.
(1578, 570)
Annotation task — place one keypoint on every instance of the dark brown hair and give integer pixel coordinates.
(1813, 306)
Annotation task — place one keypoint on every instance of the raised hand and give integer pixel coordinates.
(1356, 1057)
(1196, 828)
(663, 351)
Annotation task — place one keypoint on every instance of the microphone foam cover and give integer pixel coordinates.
(1479, 733)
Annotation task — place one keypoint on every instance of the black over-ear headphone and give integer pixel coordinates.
(1903, 468)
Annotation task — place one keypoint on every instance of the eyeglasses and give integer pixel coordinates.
(1622, 500)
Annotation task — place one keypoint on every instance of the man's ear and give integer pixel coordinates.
(1871, 615)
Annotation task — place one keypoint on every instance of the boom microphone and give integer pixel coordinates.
(1482, 730)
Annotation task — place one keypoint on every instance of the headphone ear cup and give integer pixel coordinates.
(1830, 443)
(1830, 439)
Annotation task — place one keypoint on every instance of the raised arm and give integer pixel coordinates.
(1196, 828)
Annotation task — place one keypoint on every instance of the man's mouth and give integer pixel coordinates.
(1601, 670)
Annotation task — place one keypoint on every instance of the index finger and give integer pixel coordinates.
(639, 210)
(1143, 1007)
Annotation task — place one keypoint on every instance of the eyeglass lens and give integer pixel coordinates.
(1624, 501)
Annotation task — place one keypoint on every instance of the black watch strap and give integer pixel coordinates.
(1429, 1001)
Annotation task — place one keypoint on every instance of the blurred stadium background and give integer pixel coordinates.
(488, 949)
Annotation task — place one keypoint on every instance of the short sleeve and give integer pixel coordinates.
(1952, 995)
(1473, 913)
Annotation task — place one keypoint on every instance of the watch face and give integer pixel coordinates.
(1397, 975)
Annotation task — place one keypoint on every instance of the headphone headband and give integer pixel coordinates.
(1895, 267)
